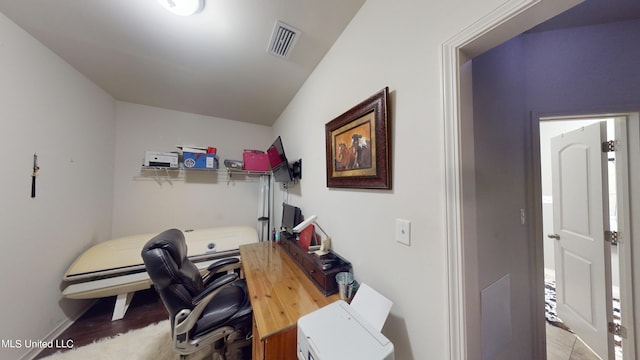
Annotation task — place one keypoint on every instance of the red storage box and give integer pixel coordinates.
(255, 160)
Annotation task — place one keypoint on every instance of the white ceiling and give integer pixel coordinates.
(213, 63)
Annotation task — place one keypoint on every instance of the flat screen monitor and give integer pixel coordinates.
(291, 216)
(278, 161)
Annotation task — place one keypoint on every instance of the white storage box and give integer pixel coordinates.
(338, 332)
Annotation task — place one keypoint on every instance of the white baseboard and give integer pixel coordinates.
(56, 332)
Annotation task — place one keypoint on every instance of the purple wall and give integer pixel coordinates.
(577, 71)
(499, 108)
(500, 112)
(594, 68)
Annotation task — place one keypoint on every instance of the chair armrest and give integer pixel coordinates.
(214, 285)
(220, 264)
(184, 323)
(218, 267)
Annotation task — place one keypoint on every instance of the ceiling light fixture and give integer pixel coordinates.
(183, 7)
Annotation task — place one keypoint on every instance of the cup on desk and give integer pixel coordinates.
(347, 286)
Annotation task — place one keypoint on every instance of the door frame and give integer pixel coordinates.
(509, 19)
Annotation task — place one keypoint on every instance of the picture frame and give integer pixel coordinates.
(358, 145)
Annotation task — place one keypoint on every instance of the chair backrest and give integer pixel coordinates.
(175, 278)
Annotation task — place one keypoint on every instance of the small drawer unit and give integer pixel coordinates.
(321, 270)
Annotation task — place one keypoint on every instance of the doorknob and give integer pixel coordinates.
(554, 236)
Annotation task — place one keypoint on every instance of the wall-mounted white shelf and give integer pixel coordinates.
(231, 171)
(160, 174)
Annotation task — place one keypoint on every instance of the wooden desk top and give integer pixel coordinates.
(280, 292)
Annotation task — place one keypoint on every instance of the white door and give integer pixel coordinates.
(581, 216)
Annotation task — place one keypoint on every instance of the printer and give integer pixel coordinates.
(160, 159)
(338, 332)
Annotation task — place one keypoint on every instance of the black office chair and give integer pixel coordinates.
(213, 310)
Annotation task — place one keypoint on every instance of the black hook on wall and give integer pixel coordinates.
(34, 174)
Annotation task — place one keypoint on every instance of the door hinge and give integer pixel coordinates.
(608, 146)
(617, 329)
(613, 237)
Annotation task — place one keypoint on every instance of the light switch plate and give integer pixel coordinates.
(403, 231)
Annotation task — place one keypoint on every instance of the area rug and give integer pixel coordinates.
(149, 343)
(553, 319)
(550, 305)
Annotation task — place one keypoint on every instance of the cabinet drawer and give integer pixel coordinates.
(289, 248)
(318, 275)
(295, 254)
(286, 245)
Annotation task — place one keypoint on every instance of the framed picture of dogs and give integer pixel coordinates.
(358, 145)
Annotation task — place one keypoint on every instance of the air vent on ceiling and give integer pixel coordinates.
(283, 39)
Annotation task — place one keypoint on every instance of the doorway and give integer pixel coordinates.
(462, 243)
(556, 350)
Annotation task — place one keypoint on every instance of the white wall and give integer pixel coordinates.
(196, 199)
(389, 43)
(88, 145)
(395, 44)
(48, 108)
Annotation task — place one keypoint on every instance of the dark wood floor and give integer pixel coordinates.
(145, 308)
